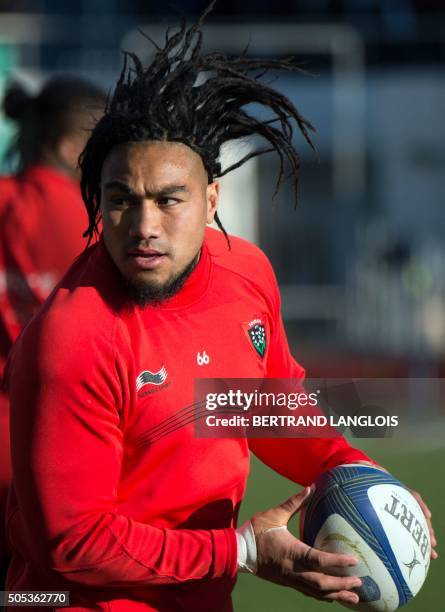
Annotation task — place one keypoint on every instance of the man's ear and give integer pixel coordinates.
(212, 196)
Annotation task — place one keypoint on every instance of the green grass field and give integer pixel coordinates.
(419, 468)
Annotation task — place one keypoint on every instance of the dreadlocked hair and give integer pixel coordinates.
(167, 102)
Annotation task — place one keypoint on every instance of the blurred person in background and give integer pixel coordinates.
(42, 217)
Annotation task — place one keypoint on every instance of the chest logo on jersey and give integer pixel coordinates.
(256, 332)
(151, 378)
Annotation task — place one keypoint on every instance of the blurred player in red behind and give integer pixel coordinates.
(42, 217)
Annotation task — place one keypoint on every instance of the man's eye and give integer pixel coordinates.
(167, 201)
(119, 201)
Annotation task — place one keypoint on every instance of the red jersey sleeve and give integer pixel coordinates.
(299, 459)
(67, 405)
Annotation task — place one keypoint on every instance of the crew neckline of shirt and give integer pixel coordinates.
(194, 288)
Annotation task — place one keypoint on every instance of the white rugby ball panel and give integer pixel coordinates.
(406, 528)
(337, 536)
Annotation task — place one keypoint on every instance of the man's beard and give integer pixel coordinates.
(144, 294)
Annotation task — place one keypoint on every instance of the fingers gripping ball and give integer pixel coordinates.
(364, 511)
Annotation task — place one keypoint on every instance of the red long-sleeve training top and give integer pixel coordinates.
(115, 498)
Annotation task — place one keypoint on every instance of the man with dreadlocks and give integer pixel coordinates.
(114, 499)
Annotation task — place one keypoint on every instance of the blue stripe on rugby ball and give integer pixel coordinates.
(349, 498)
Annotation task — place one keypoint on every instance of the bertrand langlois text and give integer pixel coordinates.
(281, 420)
(253, 409)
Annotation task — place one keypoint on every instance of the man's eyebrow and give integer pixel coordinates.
(161, 192)
(119, 185)
(169, 189)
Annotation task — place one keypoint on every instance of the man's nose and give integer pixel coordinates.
(146, 221)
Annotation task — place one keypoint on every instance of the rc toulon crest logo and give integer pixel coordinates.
(257, 334)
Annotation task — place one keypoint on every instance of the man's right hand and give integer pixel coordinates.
(286, 560)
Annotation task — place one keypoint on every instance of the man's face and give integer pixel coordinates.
(155, 205)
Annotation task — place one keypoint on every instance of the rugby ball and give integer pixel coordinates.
(364, 511)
